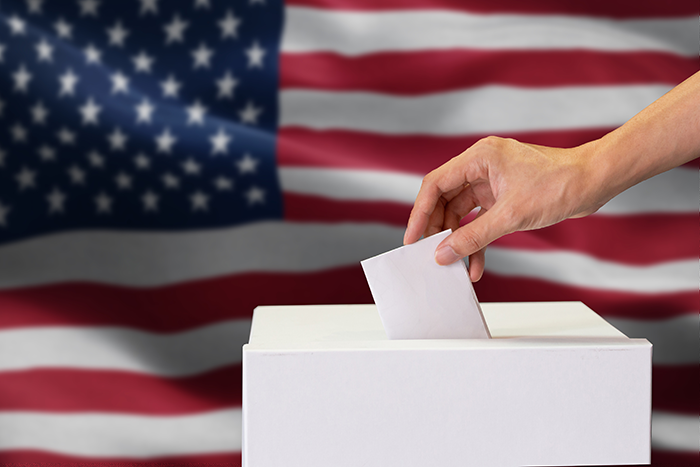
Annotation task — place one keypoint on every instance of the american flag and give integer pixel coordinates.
(166, 166)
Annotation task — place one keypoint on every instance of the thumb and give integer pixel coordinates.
(472, 237)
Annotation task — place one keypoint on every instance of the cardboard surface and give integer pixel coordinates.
(556, 385)
(419, 299)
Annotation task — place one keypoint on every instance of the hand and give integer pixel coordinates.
(517, 186)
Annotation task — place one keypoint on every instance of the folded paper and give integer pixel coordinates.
(419, 299)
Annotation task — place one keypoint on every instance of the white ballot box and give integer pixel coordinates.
(556, 385)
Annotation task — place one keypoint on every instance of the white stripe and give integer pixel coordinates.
(674, 191)
(192, 352)
(674, 432)
(174, 257)
(576, 269)
(485, 110)
(110, 348)
(149, 259)
(675, 340)
(122, 436)
(355, 33)
(132, 436)
(351, 184)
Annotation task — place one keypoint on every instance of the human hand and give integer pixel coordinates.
(517, 186)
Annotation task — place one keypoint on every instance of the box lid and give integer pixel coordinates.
(524, 324)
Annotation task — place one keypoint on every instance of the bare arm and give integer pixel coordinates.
(523, 186)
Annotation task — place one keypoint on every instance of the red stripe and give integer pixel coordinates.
(214, 300)
(33, 458)
(676, 388)
(117, 391)
(300, 147)
(614, 9)
(692, 165)
(674, 459)
(494, 288)
(236, 296)
(304, 208)
(25, 458)
(635, 240)
(440, 71)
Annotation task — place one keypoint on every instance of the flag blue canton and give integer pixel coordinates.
(137, 114)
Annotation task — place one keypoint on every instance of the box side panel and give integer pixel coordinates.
(450, 408)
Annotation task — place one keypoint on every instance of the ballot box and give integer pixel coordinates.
(555, 385)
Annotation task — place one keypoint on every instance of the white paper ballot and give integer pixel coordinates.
(419, 299)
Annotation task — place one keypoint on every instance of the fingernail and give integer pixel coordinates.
(445, 255)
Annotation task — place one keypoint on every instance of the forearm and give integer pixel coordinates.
(664, 135)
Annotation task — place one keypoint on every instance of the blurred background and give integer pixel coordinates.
(167, 166)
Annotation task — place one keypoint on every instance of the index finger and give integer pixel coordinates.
(445, 178)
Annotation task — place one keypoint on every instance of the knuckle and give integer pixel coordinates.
(469, 242)
(489, 142)
(510, 217)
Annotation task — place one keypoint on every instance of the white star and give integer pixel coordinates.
(165, 141)
(93, 54)
(39, 113)
(220, 142)
(143, 62)
(200, 201)
(65, 136)
(171, 181)
(117, 140)
(142, 162)
(17, 25)
(34, 6)
(56, 201)
(2, 53)
(4, 211)
(19, 133)
(255, 196)
(26, 179)
(47, 153)
(175, 30)
(171, 87)
(45, 51)
(191, 167)
(104, 203)
(202, 4)
(229, 25)
(96, 159)
(117, 34)
(90, 112)
(89, 7)
(227, 85)
(63, 29)
(120, 83)
(250, 114)
(195, 113)
(247, 165)
(123, 181)
(150, 201)
(77, 175)
(68, 81)
(223, 184)
(202, 56)
(22, 78)
(149, 6)
(255, 55)
(144, 111)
